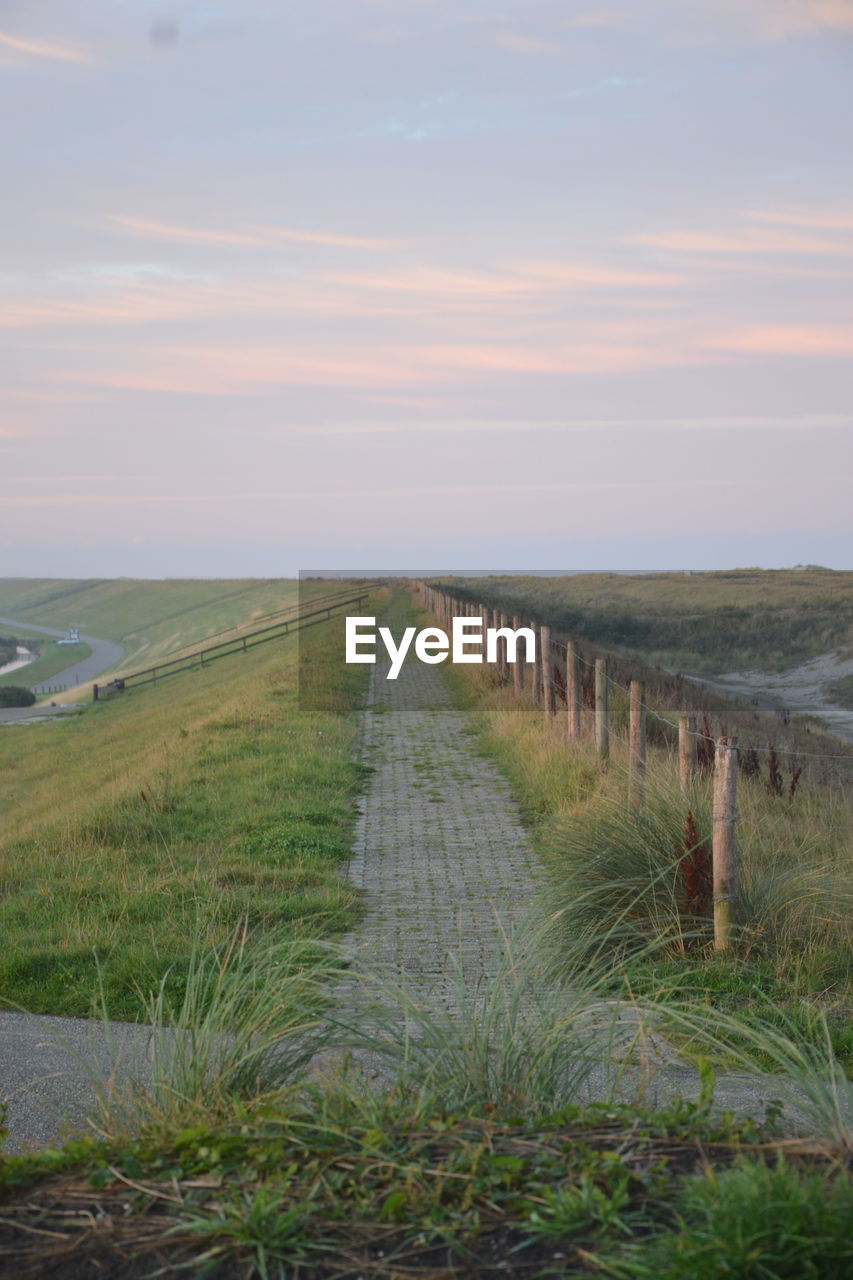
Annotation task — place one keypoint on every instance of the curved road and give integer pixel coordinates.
(104, 654)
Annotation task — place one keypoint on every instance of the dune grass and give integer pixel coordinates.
(618, 873)
(156, 822)
(704, 623)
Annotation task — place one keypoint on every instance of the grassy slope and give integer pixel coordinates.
(710, 622)
(149, 618)
(168, 815)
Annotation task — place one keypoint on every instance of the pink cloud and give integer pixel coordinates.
(803, 218)
(760, 240)
(44, 49)
(788, 340)
(258, 236)
(516, 42)
(593, 18)
(215, 370)
(580, 274)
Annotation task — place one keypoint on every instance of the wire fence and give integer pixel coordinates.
(555, 677)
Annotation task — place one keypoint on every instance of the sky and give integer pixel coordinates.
(290, 283)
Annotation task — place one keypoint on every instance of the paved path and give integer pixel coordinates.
(446, 867)
(104, 654)
(440, 853)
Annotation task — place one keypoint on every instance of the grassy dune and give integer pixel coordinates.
(157, 821)
(618, 874)
(704, 622)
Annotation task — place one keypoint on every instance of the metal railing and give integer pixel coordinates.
(225, 648)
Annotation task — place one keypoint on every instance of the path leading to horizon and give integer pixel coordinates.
(440, 852)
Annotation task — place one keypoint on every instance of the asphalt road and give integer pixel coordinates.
(47, 1069)
(104, 654)
(31, 715)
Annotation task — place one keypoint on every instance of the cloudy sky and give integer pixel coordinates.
(545, 284)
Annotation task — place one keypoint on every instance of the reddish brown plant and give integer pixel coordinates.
(697, 871)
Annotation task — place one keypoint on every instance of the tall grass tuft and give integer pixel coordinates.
(796, 1064)
(512, 1038)
(618, 874)
(640, 876)
(249, 1022)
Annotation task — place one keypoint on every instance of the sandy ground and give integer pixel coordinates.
(800, 690)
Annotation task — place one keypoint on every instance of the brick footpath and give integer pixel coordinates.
(440, 854)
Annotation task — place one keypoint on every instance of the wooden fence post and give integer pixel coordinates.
(687, 751)
(547, 678)
(573, 691)
(637, 744)
(536, 682)
(94, 693)
(518, 665)
(503, 649)
(602, 727)
(724, 818)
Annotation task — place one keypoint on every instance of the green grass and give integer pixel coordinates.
(459, 1145)
(704, 623)
(151, 619)
(754, 1221)
(335, 1184)
(155, 823)
(615, 874)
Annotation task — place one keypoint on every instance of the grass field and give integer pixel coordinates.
(150, 619)
(702, 623)
(155, 822)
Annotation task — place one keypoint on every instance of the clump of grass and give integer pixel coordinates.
(245, 1028)
(617, 873)
(754, 1221)
(508, 1039)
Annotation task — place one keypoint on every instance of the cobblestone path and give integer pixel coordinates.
(440, 853)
